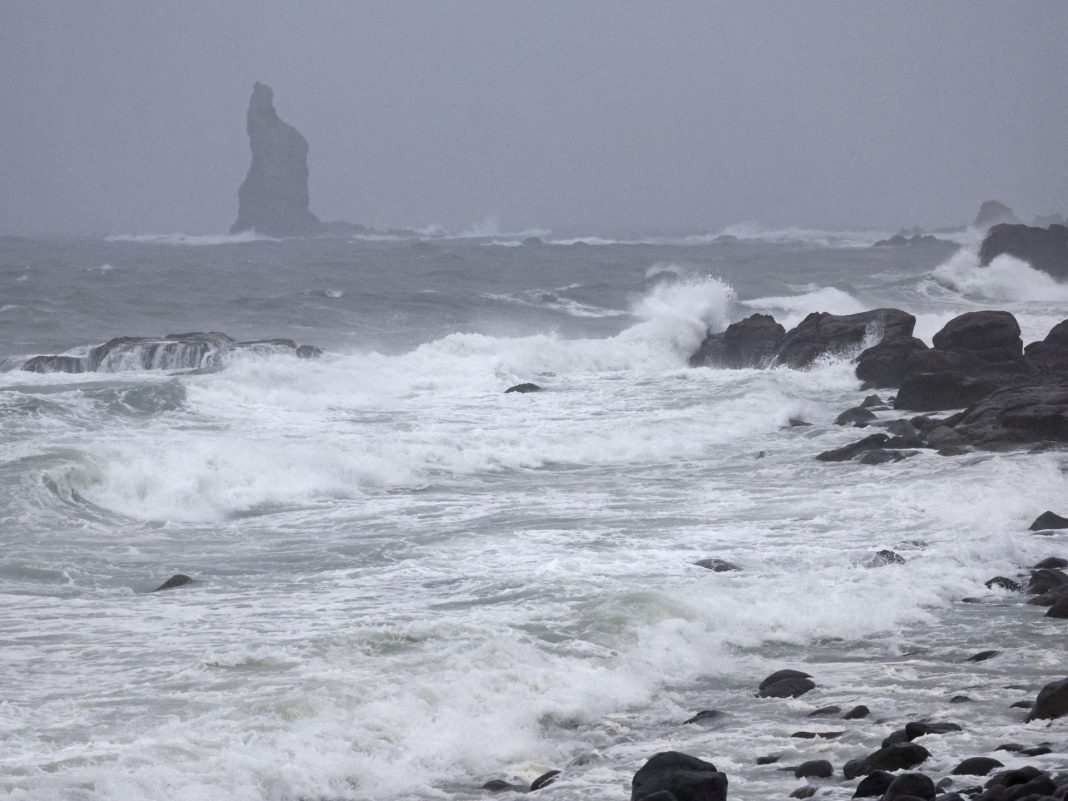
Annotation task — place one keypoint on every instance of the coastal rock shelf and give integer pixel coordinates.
(190, 351)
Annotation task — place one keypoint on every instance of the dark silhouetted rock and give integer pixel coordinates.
(1038, 750)
(685, 777)
(544, 780)
(982, 656)
(921, 728)
(1026, 413)
(752, 342)
(884, 364)
(1059, 608)
(1048, 520)
(1052, 563)
(987, 332)
(817, 735)
(1047, 580)
(884, 456)
(853, 450)
(717, 565)
(785, 684)
(177, 580)
(523, 388)
(770, 759)
(873, 785)
(824, 711)
(815, 768)
(910, 785)
(779, 675)
(807, 791)
(1051, 354)
(900, 240)
(273, 199)
(1002, 583)
(898, 756)
(1052, 701)
(976, 766)
(821, 334)
(885, 557)
(993, 212)
(1022, 705)
(706, 716)
(501, 786)
(857, 416)
(54, 364)
(857, 713)
(1045, 249)
(960, 699)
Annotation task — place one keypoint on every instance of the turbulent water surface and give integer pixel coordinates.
(408, 583)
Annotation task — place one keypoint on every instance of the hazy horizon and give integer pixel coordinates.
(600, 117)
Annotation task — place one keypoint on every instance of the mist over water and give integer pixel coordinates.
(408, 583)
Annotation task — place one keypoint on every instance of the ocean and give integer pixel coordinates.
(408, 583)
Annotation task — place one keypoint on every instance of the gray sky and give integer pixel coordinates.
(119, 117)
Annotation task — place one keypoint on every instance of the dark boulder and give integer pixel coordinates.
(685, 777)
(814, 768)
(1051, 354)
(177, 580)
(501, 786)
(910, 785)
(1045, 249)
(884, 456)
(921, 728)
(885, 557)
(544, 780)
(1028, 412)
(717, 565)
(899, 756)
(785, 684)
(822, 334)
(523, 388)
(884, 364)
(1051, 563)
(769, 759)
(752, 342)
(853, 450)
(1002, 583)
(857, 416)
(982, 656)
(779, 675)
(994, 335)
(806, 791)
(976, 766)
(1047, 580)
(874, 784)
(936, 391)
(1052, 702)
(857, 713)
(1059, 608)
(273, 199)
(706, 717)
(824, 711)
(54, 364)
(1048, 520)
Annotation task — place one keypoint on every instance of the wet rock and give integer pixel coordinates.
(797, 422)
(960, 699)
(804, 792)
(993, 334)
(54, 364)
(829, 334)
(1059, 608)
(1048, 520)
(686, 777)
(921, 728)
(1052, 701)
(785, 684)
(982, 656)
(853, 450)
(976, 766)
(1027, 782)
(1010, 747)
(1052, 563)
(177, 580)
(824, 711)
(273, 199)
(1021, 705)
(770, 759)
(910, 785)
(1045, 249)
(884, 456)
(858, 416)
(501, 786)
(706, 716)
(814, 768)
(1002, 583)
(523, 388)
(857, 713)
(1047, 580)
(1028, 412)
(884, 364)
(752, 342)
(872, 402)
(544, 780)
(944, 437)
(817, 735)
(885, 557)
(717, 565)
(898, 756)
(1038, 750)
(874, 784)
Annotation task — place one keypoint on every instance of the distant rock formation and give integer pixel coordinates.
(1045, 249)
(273, 199)
(901, 239)
(993, 212)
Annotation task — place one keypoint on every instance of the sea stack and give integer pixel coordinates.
(273, 199)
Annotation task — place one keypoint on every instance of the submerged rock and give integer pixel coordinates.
(717, 565)
(685, 777)
(523, 388)
(847, 452)
(177, 580)
(274, 196)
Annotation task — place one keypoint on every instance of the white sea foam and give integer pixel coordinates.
(1005, 279)
(194, 239)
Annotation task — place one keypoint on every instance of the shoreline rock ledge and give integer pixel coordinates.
(273, 199)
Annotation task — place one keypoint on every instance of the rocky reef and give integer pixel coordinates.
(1045, 249)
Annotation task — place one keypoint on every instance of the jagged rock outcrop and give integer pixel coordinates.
(902, 240)
(821, 333)
(993, 212)
(188, 351)
(1045, 249)
(274, 196)
(752, 342)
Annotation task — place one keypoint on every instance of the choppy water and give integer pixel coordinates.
(408, 583)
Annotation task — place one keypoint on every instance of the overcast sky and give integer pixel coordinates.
(119, 117)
